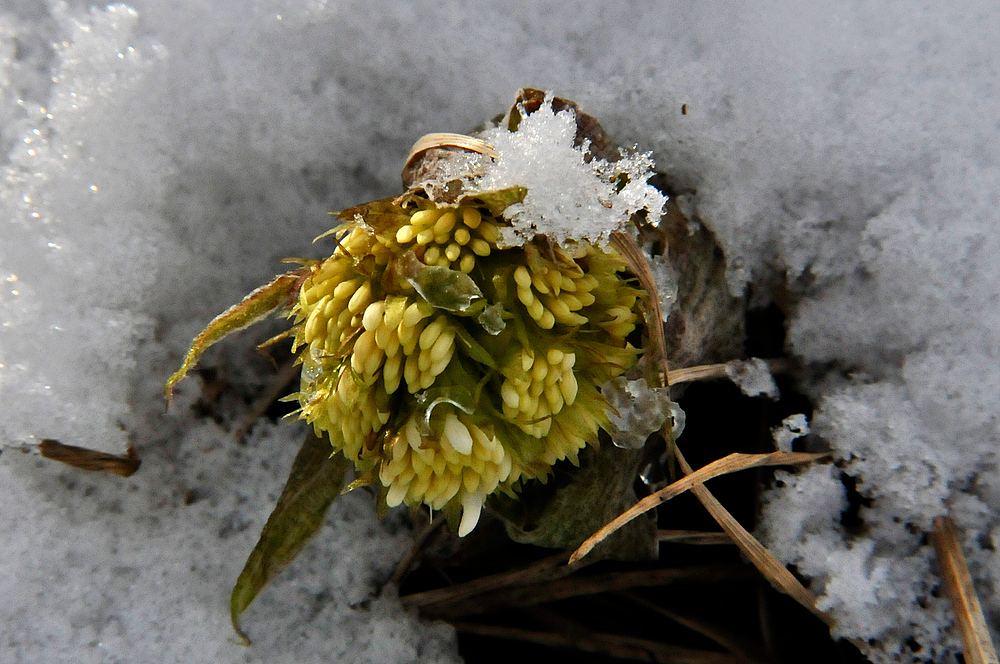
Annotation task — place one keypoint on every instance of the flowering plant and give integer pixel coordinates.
(449, 350)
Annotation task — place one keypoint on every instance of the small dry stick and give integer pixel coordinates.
(696, 537)
(278, 387)
(544, 569)
(708, 371)
(751, 652)
(629, 249)
(532, 594)
(958, 583)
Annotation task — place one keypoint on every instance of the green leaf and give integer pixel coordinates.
(474, 349)
(315, 480)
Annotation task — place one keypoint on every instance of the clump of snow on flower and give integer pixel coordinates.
(571, 194)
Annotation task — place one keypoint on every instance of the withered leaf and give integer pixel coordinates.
(315, 480)
(381, 214)
(88, 459)
(253, 308)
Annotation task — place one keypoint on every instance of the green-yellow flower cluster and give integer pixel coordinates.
(445, 366)
(449, 368)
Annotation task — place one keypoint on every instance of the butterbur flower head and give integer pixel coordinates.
(450, 351)
(448, 368)
(456, 341)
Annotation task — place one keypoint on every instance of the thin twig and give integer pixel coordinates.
(92, 460)
(764, 619)
(616, 645)
(696, 537)
(544, 569)
(633, 255)
(278, 386)
(958, 583)
(407, 562)
(700, 372)
(710, 371)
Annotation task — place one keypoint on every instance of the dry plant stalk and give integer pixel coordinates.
(748, 652)
(709, 371)
(447, 140)
(543, 591)
(729, 464)
(772, 569)
(632, 253)
(694, 537)
(958, 584)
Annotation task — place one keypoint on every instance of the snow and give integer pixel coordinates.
(162, 159)
(753, 377)
(569, 197)
(792, 428)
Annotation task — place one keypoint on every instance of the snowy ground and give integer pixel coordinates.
(163, 157)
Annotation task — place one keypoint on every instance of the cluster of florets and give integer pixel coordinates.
(449, 368)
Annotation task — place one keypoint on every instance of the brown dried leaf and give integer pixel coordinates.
(92, 460)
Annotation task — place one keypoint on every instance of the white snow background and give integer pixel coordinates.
(162, 158)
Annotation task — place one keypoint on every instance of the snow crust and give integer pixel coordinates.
(161, 160)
